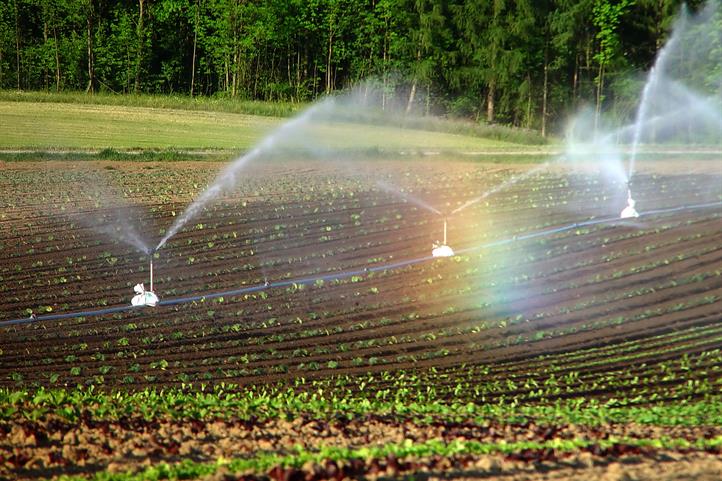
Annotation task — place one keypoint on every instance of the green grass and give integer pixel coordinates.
(463, 127)
(208, 104)
(33, 125)
(339, 136)
(42, 121)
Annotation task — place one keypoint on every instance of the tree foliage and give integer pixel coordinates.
(516, 62)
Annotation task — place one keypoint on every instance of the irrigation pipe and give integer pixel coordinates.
(350, 273)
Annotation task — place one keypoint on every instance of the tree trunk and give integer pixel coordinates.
(528, 103)
(91, 55)
(17, 45)
(412, 94)
(490, 101)
(328, 60)
(235, 26)
(238, 74)
(46, 74)
(288, 67)
(598, 106)
(255, 77)
(128, 70)
(227, 69)
(234, 75)
(57, 60)
(141, 42)
(333, 79)
(545, 89)
(298, 74)
(427, 109)
(315, 77)
(385, 54)
(195, 45)
(575, 80)
(273, 74)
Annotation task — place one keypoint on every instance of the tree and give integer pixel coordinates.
(90, 14)
(571, 39)
(606, 18)
(140, 47)
(6, 37)
(54, 14)
(16, 12)
(491, 36)
(429, 37)
(513, 61)
(196, 22)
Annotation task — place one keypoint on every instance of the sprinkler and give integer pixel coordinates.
(145, 297)
(629, 211)
(442, 250)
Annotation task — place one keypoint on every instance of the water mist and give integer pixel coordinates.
(228, 178)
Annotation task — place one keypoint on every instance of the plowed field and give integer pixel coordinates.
(312, 277)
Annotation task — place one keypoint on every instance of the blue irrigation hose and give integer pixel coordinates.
(346, 274)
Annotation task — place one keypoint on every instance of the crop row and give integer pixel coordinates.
(396, 459)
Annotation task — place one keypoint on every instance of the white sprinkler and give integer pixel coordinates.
(629, 211)
(143, 297)
(442, 250)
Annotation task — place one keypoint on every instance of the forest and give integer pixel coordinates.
(522, 63)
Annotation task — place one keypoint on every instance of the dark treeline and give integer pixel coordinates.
(525, 63)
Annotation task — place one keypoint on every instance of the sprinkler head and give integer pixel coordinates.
(629, 211)
(143, 297)
(442, 251)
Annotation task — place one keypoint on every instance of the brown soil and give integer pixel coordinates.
(619, 300)
(570, 287)
(662, 466)
(46, 448)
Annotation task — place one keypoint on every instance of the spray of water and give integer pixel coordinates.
(679, 108)
(685, 80)
(228, 178)
(701, 111)
(111, 215)
(649, 88)
(504, 185)
(120, 228)
(392, 189)
(584, 148)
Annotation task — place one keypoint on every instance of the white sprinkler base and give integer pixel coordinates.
(629, 211)
(442, 251)
(143, 297)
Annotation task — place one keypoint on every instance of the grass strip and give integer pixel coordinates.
(263, 462)
(225, 155)
(146, 155)
(206, 104)
(341, 113)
